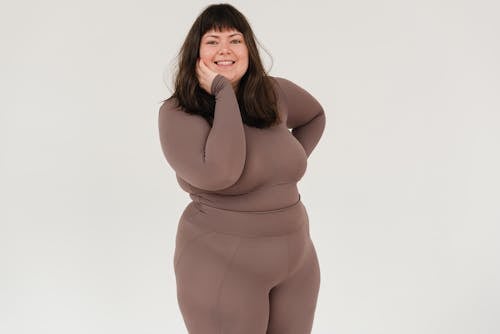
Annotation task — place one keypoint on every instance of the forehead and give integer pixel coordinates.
(224, 33)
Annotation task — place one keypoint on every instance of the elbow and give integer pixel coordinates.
(224, 176)
(215, 177)
(215, 182)
(322, 117)
(222, 173)
(321, 113)
(225, 182)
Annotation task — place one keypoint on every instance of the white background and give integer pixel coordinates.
(402, 191)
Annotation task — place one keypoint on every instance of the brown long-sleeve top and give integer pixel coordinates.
(233, 166)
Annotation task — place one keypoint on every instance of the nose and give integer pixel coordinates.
(224, 48)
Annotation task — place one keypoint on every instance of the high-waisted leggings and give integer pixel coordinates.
(246, 272)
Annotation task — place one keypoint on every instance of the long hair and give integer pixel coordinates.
(256, 97)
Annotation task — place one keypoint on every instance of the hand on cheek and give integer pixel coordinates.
(205, 75)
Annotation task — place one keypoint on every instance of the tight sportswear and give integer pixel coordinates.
(244, 260)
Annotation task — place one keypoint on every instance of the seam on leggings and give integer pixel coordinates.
(218, 315)
(289, 258)
(190, 243)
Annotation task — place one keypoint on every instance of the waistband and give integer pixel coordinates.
(250, 223)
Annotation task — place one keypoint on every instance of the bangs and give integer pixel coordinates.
(220, 19)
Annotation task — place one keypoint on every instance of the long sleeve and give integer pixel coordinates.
(306, 116)
(210, 158)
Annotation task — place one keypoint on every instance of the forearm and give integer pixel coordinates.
(210, 158)
(225, 148)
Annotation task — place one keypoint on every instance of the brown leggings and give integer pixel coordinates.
(246, 272)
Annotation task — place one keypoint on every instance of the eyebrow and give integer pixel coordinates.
(237, 33)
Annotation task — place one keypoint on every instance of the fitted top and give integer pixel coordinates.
(233, 166)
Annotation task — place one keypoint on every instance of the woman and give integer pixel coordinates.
(244, 260)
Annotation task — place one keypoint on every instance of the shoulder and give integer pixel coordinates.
(281, 85)
(169, 105)
(282, 81)
(286, 86)
(170, 108)
(171, 114)
(292, 92)
(279, 81)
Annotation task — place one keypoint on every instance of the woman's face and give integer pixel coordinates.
(225, 52)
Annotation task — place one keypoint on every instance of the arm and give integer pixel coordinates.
(210, 158)
(305, 117)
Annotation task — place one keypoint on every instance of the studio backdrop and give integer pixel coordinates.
(402, 191)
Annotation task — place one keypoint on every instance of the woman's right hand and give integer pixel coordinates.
(205, 76)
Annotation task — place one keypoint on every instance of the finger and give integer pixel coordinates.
(199, 70)
(198, 64)
(203, 67)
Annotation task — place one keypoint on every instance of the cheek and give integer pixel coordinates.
(207, 59)
(206, 54)
(244, 57)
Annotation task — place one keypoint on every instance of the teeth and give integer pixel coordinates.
(227, 62)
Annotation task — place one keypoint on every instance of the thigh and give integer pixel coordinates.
(217, 289)
(199, 270)
(293, 301)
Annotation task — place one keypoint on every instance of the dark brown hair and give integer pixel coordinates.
(255, 94)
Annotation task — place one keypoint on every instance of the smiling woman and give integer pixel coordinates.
(225, 53)
(244, 261)
(222, 33)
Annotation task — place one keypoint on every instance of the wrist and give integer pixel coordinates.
(218, 83)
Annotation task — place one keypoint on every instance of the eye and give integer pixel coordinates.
(211, 42)
(236, 41)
